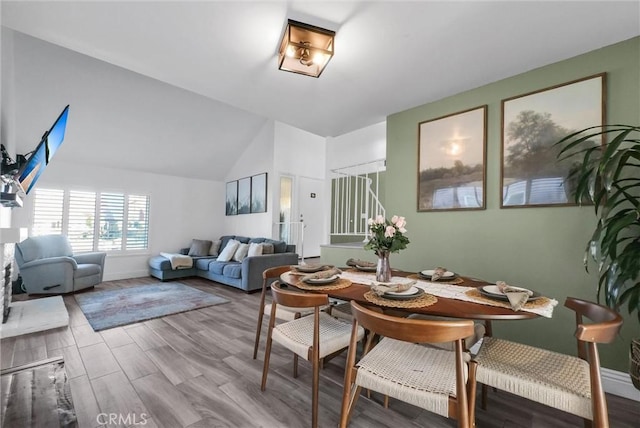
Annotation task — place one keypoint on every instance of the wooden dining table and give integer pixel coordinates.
(443, 307)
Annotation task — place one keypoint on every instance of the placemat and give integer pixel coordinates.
(419, 302)
(538, 303)
(455, 281)
(338, 285)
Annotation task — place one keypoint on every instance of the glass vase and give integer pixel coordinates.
(383, 268)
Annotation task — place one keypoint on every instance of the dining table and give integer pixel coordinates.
(453, 307)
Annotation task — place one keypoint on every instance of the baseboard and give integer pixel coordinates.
(619, 383)
(125, 275)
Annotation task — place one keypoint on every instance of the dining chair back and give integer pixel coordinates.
(311, 337)
(568, 383)
(398, 366)
(283, 312)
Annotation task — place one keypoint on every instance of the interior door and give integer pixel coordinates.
(311, 209)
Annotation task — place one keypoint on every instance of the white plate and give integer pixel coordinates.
(409, 292)
(309, 268)
(430, 272)
(319, 281)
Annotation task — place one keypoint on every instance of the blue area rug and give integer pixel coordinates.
(113, 308)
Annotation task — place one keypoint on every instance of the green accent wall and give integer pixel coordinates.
(537, 248)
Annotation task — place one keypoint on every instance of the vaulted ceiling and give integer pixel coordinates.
(390, 55)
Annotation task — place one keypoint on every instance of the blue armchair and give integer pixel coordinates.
(48, 266)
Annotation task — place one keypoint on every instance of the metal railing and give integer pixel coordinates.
(355, 198)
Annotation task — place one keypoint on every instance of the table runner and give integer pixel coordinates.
(456, 292)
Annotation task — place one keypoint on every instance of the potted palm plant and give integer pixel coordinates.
(609, 178)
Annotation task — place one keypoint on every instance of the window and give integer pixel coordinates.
(93, 221)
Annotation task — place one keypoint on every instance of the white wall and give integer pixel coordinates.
(357, 147)
(180, 209)
(257, 159)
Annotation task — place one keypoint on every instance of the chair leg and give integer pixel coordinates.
(471, 392)
(267, 356)
(258, 331)
(386, 401)
(483, 403)
(314, 393)
(295, 366)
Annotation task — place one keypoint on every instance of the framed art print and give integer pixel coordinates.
(531, 175)
(452, 161)
(259, 193)
(244, 195)
(232, 198)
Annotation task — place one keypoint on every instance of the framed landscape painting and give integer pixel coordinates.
(531, 124)
(452, 161)
(232, 198)
(244, 195)
(259, 193)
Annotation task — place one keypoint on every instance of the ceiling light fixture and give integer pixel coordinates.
(305, 49)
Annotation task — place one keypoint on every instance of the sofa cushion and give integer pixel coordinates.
(160, 263)
(215, 248)
(229, 251)
(241, 252)
(203, 263)
(232, 270)
(217, 267)
(256, 240)
(199, 247)
(278, 246)
(242, 239)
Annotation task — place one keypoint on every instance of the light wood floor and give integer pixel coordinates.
(195, 370)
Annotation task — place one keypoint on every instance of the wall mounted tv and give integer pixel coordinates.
(41, 156)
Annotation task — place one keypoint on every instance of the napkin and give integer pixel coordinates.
(517, 296)
(361, 263)
(437, 273)
(324, 274)
(381, 288)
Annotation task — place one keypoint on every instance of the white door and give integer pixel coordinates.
(311, 209)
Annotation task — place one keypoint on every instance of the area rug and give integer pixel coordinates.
(113, 308)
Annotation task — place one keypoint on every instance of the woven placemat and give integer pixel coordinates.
(455, 281)
(338, 285)
(538, 303)
(419, 302)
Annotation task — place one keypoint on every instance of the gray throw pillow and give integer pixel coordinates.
(199, 247)
(215, 248)
(267, 248)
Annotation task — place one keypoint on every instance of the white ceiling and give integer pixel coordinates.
(390, 55)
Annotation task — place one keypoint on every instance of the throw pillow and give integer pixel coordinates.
(267, 248)
(215, 248)
(241, 252)
(199, 247)
(228, 252)
(254, 249)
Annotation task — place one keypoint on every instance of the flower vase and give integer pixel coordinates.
(383, 268)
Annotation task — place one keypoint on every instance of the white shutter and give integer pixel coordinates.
(111, 221)
(137, 222)
(47, 212)
(81, 220)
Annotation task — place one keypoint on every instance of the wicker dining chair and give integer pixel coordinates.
(283, 312)
(398, 366)
(568, 383)
(312, 337)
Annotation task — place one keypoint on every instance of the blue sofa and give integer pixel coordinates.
(245, 275)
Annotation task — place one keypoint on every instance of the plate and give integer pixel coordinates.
(429, 273)
(492, 292)
(322, 281)
(366, 268)
(409, 294)
(309, 268)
